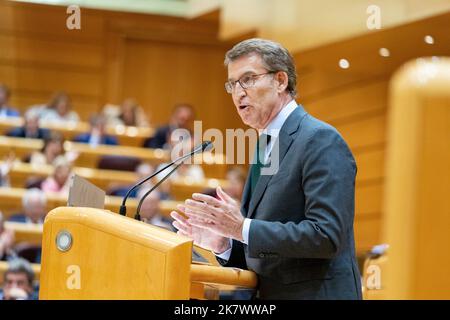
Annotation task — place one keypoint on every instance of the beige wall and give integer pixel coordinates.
(301, 25)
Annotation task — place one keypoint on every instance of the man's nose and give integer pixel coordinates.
(238, 90)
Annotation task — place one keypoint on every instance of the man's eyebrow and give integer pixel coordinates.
(243, 75)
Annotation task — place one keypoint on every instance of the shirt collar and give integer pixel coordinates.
(274, 127)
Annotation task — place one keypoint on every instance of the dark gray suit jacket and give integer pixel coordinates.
(301, 241)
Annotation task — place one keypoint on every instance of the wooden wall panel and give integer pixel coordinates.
(370, 165)
(162, 74)
(363, 132)
(29, 77)
(40, 56)
(115, 55)
(367, 97)
(50, 21)
(369, 198)
(367, 232)
(51, 53)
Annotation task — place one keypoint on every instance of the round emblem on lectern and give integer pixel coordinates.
(64, 241)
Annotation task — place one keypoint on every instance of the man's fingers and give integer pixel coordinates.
(224, 196)
(208, 199)
(177, 216)
(182, 227)
(192, 213)
(181, 207)
(181, 233)
(201, 223)
(203, 207)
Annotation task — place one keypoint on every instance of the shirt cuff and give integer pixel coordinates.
(227, 253)
(246, 230)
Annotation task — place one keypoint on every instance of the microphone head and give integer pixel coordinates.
(207, 145)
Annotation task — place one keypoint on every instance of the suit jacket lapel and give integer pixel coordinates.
(284, 141)
(246, 196)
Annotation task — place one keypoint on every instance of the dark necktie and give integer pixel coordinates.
(255, 171)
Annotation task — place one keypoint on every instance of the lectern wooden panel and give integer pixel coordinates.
(417, 205)
(97, 254)
(112, 257)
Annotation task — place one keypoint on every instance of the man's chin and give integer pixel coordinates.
(248, 122)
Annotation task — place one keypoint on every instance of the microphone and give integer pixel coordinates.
(205, 146)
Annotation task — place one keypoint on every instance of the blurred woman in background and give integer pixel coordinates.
(59, 181)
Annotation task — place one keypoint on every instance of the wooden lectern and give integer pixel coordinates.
(92, 253)
(417, 204)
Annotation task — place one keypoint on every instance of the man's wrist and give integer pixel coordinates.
(226, 246)
(238, 234)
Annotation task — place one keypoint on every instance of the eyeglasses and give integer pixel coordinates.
(245, 82)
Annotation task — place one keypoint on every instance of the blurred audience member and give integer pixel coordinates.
(53, 147)
(193, 172)
(129, 113)
(5, 109)
(6, 239)
(59, 181)
(182, 118)
(18, 281)
(34, 206)
(30, 129)
(97, 134)
(235, 184)
(5, 168)
(236, 181)
(150, 212)
(142, 171)
(59, 110)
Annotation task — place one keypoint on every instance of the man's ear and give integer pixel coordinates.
(282, 81)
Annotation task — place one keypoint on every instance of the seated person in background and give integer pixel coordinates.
(18, 281)
(5, 109)
(53, 148)
(236, 177)
(5, 168)
(97, 133)
(34, 205)
(193, 172)
(182, 118)
(59, 181)
(142, 171)
(59, 110)
(235, 184)
(129, 113)
(150, 211)
(6, 239)
(30, 129)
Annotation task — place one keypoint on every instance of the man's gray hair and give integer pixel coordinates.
(20, 265)
(32, 195)
(274, 56)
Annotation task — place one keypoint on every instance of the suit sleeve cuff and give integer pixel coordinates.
(227, 253)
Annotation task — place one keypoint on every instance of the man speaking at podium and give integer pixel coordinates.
(294, 228)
